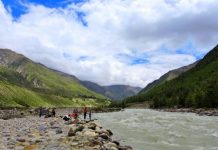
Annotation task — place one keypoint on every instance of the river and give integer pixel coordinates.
(146, 129)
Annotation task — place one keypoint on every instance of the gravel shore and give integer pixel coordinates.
(34, 133)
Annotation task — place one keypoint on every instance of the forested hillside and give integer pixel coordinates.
(197, 87)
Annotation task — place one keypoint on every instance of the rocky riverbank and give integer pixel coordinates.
(34, 133)
(199, 111)
(10, 113)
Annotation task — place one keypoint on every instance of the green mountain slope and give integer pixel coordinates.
(167, 77)
(26, 83)
(197, 87)
(114, 92)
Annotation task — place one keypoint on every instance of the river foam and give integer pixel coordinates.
(146, 129)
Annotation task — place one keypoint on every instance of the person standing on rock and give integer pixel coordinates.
(40, 111)
(90, 114)
(53, 112)
(85, 110)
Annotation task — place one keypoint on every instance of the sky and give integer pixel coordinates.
(131, 42)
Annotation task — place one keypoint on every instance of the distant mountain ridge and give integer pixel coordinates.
(197, 87)
(114, 92)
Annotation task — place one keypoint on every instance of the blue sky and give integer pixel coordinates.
(18, 7)
(110, 41)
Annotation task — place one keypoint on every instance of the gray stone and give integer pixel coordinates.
(19, 148)
(113, 148)
(71, 132)
(116, 142)
(124, 148)
(42, 128)
(59, 131)
(21, 140)
(74, 144)
(104, 136)
(110, 145)
(53, 146)
(92, 126)
(110, 132)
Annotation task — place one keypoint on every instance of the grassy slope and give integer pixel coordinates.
(25, 83)
(16, 91)
(50, 80)
(195, 88)
(15, 96)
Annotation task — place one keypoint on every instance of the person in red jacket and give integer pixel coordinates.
(85, 110)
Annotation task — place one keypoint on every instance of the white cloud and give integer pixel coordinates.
(136, 28)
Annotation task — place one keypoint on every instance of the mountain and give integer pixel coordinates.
(196, 87)
(26, 83)
(168, 76)
(114, 92)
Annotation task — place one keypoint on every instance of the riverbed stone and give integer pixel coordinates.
(79, 128)
(59, 131)
(42, 128)
(92, 126)
(109, 145)
(71, 132)
(113, 148)
(124, 148)
(110, 132)
(94, 142)
(21, 139)
(32, 132)
(116, 142)
(104, 136)
(90, 134)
